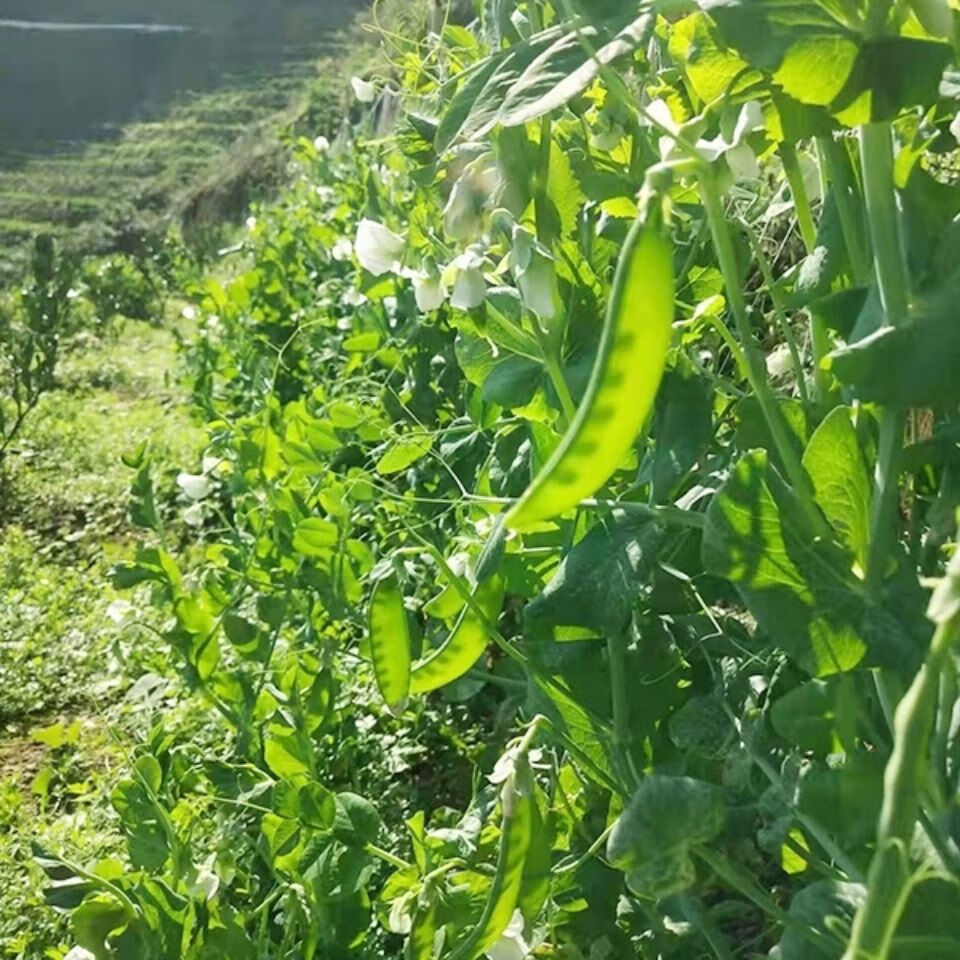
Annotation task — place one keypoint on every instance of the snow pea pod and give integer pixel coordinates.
(465, 644)
(390, 642)
(516, 830)
(623, 385)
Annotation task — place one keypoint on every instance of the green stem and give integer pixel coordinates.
(756, 368)
(798, 190)
(876, 151)
(748, 887)
(692, 908)
(889, 879)
(620, 697)
(847, 198)
(387, 857)
(819, 348)
(779, 308)
(551, 361)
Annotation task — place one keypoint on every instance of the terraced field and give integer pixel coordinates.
(111, 194)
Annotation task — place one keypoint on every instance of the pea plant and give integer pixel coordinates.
(593, 432)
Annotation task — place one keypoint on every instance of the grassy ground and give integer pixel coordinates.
(68, 712)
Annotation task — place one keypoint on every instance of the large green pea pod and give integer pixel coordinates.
(516, 830)
(465, 644)
(390, 642)
(623, 385)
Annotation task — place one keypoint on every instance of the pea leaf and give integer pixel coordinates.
(598, 582)
(356, 822)
(800, 590)
(806, 716)
(684, 428)
(404, 452)
(477, 103)
(826, 905)
(890, 74)
(652, 837)
(566, 68)
(315, 536)
(841, 485)
(914, 365)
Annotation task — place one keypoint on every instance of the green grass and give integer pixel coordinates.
(64, 663)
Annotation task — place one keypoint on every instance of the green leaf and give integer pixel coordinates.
(283, 838)
(806, 716)
(826, 906)
(684, 428)
(841, 484)
(711, 68)
(404, 452)
(815, 69)
(845, 799)
(652, 837)
(598, 582)
(318, 806)
(96, 920)
(914, 365)
(891, 74)
(315, 537)
(476, 105)
(565, 69)
(357, 822)
(286, 753)
(800, 589)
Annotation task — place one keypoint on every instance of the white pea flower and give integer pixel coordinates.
(742, 162)
(780, 362)
(342, 249)
(119, 610)
(189, 313)
(736, 150)
(78, 953)
(955, 128)
(512, 945)
(321, 144)
(466, 278)
(195, 485)
(251, 223)
(533, 268)
(363, 90)
(659, 111)
(193, 515)
(429, 291)
(378, 249)
(353, 298)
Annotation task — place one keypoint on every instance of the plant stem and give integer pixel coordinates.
(847, 198)
(756, 369)
(620, 697)
(889, 878)
(748, 887)
(876, 152)
(779, 308)
(798, 190)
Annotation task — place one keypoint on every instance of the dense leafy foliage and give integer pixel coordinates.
(724, 712)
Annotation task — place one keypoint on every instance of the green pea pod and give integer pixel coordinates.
(516, 829)
(423, 932)
(465, 645)
(390, 642)
(623, 385)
